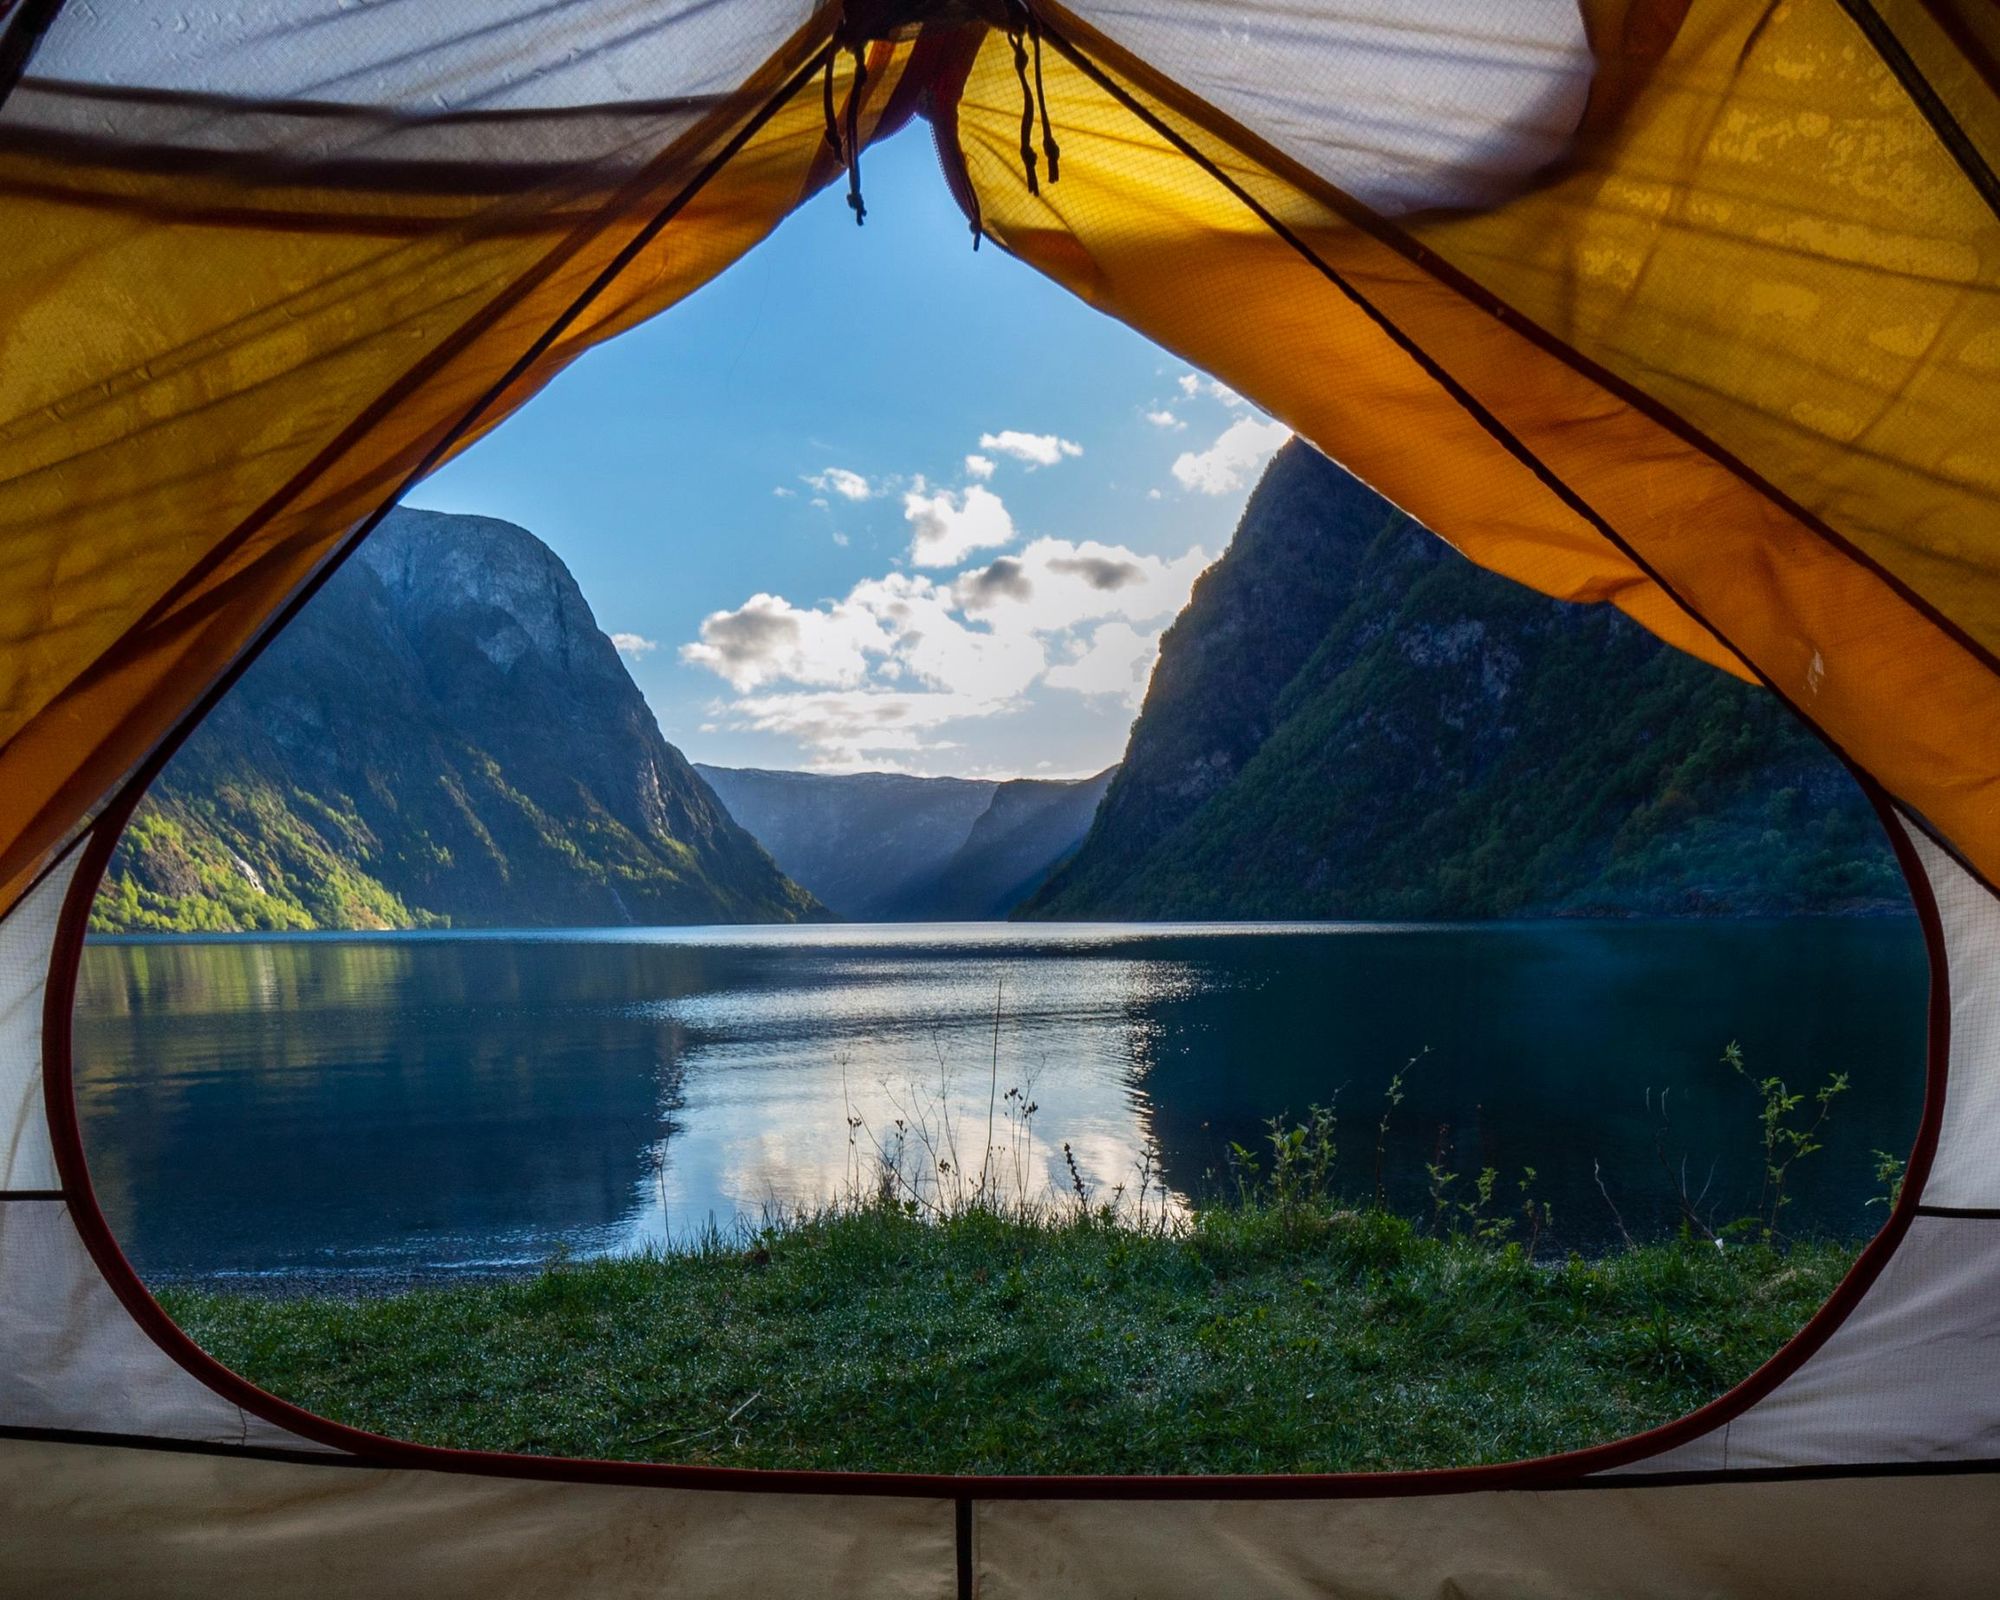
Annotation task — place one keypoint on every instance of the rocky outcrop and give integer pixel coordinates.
(444, 734)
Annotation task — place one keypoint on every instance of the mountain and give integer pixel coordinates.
(887, 847)
(443, 734)
(1350, 720)
(1027, 829)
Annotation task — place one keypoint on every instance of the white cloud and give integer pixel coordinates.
(881, 675)
(785, 494)
(870, 728)
(1054, 585)
(840, 538)
(1117, 661)
(1154, 494)
(632, 644)
(1164, 419)
(767, 639)
(901, 626)
(948, 527)
(980, 467)
(1036, 449)
(838, 480)
(1193, 383)
(1228, 463)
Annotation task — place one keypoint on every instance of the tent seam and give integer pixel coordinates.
(1929, 103)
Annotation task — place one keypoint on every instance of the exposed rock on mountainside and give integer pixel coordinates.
(886, 847)
(444, 734)
(1350, 720)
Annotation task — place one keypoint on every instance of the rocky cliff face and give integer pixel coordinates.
(887, 847)
(444, 734)
(1350, 720)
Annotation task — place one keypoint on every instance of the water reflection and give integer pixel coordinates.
(355, 1105)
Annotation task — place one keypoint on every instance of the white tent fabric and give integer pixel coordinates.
(1965, 1173)
(27, 1159)
(1396, 102)
(71, 1357)
(488, 55)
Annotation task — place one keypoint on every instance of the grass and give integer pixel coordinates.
(1256, 1337)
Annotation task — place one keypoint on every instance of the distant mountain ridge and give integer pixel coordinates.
(1350, 720)
(890, 847)
(443, 735)
(1029, 827)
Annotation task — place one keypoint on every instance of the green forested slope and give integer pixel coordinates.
(1350, 720)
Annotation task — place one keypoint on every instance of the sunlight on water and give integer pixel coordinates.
(418, 1103)
(919, 1056)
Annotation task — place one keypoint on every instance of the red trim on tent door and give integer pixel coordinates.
(1568, 1470)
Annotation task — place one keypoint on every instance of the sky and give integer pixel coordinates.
(874, 501)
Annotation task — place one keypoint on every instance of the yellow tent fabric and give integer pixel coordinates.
(210, 378)
(1722, 350)
(1731, 366)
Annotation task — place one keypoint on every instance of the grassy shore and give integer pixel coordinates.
(1248, 1339)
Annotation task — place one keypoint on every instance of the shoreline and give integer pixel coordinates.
(991, 929)
(1269, 1339)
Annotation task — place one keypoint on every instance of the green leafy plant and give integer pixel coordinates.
(1889, 1172)
(1302, 1158)
(1442, 1178)
(1535, 1213)
(1788, 1137)
(1392, 1097)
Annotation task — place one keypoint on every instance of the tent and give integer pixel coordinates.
(1685, 306)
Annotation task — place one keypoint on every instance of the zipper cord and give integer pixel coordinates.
(848, 150)
(1050, 148)
(1015, 36)
(854, 134)
(826, 104)
(1024, 33)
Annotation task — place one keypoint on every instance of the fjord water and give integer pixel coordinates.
(383, 1106)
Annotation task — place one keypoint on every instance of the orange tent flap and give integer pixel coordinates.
(1530, 456)
(198, 405)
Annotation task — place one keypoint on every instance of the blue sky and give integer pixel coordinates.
(873, 501)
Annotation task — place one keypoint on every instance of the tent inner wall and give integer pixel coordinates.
(71, 1358)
